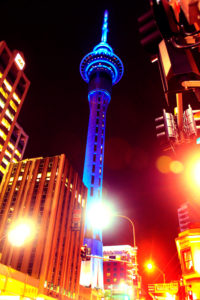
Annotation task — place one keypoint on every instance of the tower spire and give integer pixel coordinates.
(105, 27)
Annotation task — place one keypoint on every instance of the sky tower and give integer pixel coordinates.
(101, 69)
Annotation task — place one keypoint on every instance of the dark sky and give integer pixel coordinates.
(54, 37)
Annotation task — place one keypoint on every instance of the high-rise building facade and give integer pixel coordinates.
(101, 69)
(120, 267)
(14, 86)
(15, 148)
(50, 194)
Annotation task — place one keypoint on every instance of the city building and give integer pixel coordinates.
(188, 248)
(14, 86)
(101, 69)
(121, 278)
(48, 193)
(188, 215)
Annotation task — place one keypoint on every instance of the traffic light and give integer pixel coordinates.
(85, 253)
(166, 130)
(149, 32)
(189, 123)
(156, 24)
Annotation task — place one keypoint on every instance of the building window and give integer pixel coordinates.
(99, 181)
(91, 191)
(114, 279)
(107, 274)
(92, 180)
(97, 129)
(97, 121)
(108, 280)
(93, 168)
(95, 139)
(94, 157)
(187, 259)
(98, 106)
(121, 274)
(95, 148)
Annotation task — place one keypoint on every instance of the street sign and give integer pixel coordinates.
(171, 287)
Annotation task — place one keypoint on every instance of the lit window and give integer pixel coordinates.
(5, 161)
(12, 104)
(16, 98)
(107, 274)
(14, 160)
(3, 93)
(8, 113)
(11, 146)
(17, 153)
(8, 86)
(3, 135)
(8, 153)
(114, 279)
(2, 170)
(2, 104)
(6, 123)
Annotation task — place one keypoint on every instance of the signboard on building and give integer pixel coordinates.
(157, 288)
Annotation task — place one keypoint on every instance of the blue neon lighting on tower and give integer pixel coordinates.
(101, 69)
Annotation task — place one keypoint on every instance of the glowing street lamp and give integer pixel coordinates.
(100, 215)
(21, 232)
(150, 266)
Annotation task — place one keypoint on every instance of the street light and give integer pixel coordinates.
(132, 224)
(21, 232)
(150, 266)
(100, 214)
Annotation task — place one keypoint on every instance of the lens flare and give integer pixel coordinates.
(176, 167)
(163, 164)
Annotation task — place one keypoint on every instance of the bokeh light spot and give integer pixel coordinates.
(176, 166)
(163, 164)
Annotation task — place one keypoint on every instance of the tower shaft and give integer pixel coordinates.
(101, 69)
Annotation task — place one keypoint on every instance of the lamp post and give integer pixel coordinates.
(150, 266)
(132, 224)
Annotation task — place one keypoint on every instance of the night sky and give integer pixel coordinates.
(54, 36)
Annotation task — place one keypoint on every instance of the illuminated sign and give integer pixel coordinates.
(163, 287)
(19, 61)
